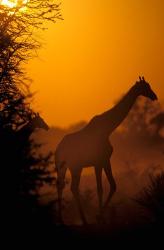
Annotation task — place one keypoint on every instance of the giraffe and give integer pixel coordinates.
(90, 146)
(33, 123)
(23, 134)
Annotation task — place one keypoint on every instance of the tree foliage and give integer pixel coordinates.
(19, 42)
(22, 171)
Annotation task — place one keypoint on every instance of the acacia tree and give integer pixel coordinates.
(19, 24)
(138, 121)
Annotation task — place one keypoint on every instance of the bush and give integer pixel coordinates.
(152, 197)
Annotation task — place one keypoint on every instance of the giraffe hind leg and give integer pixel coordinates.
(61, 172)
(112, 183)
(75, 191)
(98, 172)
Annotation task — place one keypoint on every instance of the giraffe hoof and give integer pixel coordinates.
(59, 223)
(105, 207)
(85, 223)
(100, 219)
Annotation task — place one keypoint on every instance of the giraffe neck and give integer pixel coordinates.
(111, 119)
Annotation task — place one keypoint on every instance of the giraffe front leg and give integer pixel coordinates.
(75, 191)
(111, 180)
(98, 172)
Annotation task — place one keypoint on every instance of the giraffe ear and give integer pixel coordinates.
(142, 79)
(138, 83)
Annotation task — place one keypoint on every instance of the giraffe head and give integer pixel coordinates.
(144, 89)
(38, 122)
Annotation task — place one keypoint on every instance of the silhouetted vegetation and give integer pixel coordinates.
(140, 119)
(152, 197)
(23, 170)
(18, 40)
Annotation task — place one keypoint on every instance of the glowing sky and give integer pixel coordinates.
(92, 57)
(12, 3)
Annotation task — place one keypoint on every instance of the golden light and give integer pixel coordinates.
(13, 3)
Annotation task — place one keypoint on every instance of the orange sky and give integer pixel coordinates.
(95, 55)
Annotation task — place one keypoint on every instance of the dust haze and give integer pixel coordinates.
(138, 153)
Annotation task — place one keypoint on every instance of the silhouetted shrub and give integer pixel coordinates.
(152, 197)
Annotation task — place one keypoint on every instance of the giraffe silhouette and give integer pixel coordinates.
(90, 146)
(34, 123)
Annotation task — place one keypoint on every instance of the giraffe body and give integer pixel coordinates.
(87, 150)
